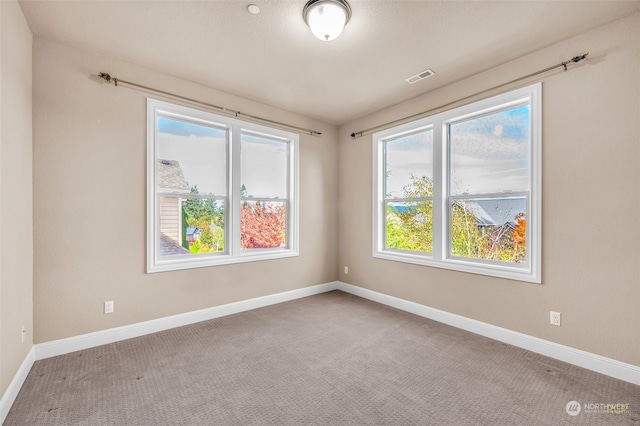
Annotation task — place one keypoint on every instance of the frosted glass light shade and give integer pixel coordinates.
(326, 18)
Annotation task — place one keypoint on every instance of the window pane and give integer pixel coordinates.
(409, 226)
(408, 160)
(264, 167)
(490, 154)
(263, 224)
(492, 229)
(191, 226)
(190, 155)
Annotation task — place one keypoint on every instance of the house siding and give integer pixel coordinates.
(170, 218)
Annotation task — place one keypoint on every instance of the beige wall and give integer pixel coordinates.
(90, 197)
(89, 150)
(591, 204)
(16, 246)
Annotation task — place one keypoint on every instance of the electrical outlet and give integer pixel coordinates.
(23, 334)
(108, 307)
(346, 270)
(554, 318)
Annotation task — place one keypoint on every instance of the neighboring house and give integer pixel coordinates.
(170, 180)
(193, 234)
(490, 214)
(496, 212)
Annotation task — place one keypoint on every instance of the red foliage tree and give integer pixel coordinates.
(262, 225)
(519, 235)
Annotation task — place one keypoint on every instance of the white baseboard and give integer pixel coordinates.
(90, 340)
(14, 387)
(610, 367)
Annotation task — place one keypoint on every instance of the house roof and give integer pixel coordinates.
(192, 230)
(168, 247)
(170, 177)
(496, 212)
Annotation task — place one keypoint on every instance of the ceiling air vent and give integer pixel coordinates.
(420, 76)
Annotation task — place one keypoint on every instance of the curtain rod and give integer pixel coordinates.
(116, 81)
(564, 64)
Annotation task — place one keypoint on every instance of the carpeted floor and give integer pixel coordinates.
(327, 359)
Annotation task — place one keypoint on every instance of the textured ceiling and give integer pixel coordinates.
(272, 57)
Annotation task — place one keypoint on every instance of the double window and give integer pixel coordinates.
(219, 190)
(461, 189)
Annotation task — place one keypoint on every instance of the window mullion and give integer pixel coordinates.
(407, 200)
(265, 199)
(191, 196)
(234, 191)
(379, 192)
(290, 190)
(490, 196)
(439, 192)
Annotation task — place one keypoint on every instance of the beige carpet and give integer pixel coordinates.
(327, 359)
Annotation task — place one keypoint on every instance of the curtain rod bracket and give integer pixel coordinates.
(574, 60)
(105, 76)
(579, 58)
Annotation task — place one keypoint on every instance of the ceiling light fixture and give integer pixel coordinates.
(326, 18)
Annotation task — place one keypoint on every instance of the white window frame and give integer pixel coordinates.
(233, 252)
(439, 257)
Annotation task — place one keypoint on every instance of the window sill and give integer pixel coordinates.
(203, 261)
(523, 273)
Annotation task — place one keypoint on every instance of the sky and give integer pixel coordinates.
(406, 156)
(488, 154)
(201, 151)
